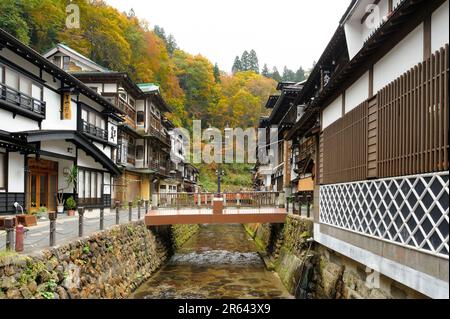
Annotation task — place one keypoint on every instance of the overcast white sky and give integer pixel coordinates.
(283, 32)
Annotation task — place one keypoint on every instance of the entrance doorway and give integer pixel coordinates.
(42, 185)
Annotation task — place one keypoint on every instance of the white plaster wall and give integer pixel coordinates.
(91, 103)
(357, 93)
(110, 87)
(332, 112)
(86, 161)
(399, 60)
(105, 150)
(18, 124)
(440, 27)
(14, 58)
(62, 164)
(16, 174)
(58, 147)
(53, 113)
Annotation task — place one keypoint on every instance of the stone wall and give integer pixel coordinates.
(309, 270)
(110, 264)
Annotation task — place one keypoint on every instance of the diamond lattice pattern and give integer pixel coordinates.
(410, 211)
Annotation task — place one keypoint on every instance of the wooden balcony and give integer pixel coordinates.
(94, 131)
(157, 130)
(20, 103)
(160, 167)
(130, 111)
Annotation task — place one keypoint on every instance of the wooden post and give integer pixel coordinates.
(308, 206)
(52, 216)
(117, 213)
(139, 210)
(102, 217)
(130, 211)
(80, 221)
(9, 227)
(146, 207)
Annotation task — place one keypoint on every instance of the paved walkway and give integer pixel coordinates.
(37, 238)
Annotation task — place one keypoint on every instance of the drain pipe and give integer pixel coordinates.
(310, 241)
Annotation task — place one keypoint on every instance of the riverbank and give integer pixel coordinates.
(309, 270)
(220, 262)
(109, 264)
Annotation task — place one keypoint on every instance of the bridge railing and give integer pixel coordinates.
(206, 200)
(183, 200)
(253, 199)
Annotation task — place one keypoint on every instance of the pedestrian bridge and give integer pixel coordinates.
(208, 208)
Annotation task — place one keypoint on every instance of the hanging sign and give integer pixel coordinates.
(67, 106)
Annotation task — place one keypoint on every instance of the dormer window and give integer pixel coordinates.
(66, 63)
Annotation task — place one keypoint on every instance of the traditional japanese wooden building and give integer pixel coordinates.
(382, 184)
(42, 135)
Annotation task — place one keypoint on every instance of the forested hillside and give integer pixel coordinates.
(191, 84)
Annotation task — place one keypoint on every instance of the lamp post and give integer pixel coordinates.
(219, 173)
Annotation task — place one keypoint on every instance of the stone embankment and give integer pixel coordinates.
(309, 270)
(109, 264)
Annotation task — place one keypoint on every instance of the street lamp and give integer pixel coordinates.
(219, 173)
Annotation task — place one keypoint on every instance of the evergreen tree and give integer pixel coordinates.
(253, 62)
(245, 61)
(216, 73)
(171, 44)
(237, 65)
(265, 71)
(288, 75)
(275, 74)
(300, 75)
(159, 31)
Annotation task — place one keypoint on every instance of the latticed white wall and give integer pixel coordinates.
(411, 211)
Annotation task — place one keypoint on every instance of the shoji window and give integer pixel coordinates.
(12, 79)
(81, 185)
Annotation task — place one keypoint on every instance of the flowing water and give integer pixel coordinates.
(220, 261)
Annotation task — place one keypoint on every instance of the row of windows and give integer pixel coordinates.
(19, 82)
(93, 118)
(90, 184)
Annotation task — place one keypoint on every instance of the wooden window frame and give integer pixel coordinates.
(5, 171)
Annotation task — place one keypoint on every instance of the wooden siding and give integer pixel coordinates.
(413, 120)
(345, 147)
(402, 130)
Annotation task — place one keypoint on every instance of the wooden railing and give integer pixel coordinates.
(94, 130)
(402, 131)
(129, 110)
(252, 199)
(184, 200)
(22, 100)
(156, 129)
(230, 200)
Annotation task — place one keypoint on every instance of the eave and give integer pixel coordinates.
(79, 140)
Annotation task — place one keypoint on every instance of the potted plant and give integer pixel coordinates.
(71, 206)
(42, 213)
(71, 180)
(27, 220)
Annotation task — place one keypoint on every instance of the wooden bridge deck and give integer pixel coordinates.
(206, 216)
